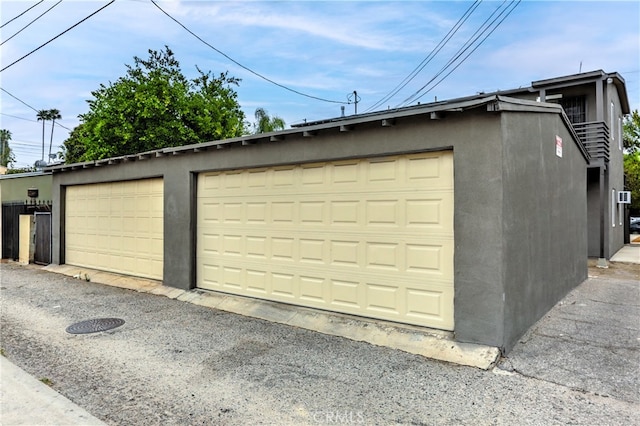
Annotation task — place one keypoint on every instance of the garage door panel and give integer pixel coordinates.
(383, 298)
(377, 211)
(429, 258)
(409, 301)
(371, 237)
(116, 227)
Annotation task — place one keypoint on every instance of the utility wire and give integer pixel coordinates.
(17, 98)
(65, 31)
(467, 44)
(429, 57)
(24, 103)
(13, 19)
(242, 66)
(19, 118)
(479, 33)
(25, 27)
(473, 50)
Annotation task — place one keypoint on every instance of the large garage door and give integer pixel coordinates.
(370, 237)
(116, 227)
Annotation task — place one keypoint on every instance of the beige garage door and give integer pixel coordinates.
(369, 237)
(116, 227)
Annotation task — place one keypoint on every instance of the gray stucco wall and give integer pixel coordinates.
(593, 209)
(482, 275)
(615, 237)
(544, 219)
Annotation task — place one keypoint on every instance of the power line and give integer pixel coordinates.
(484, 27)
(242, 66)
(24, 103)
(17, 98)
(429, 57)
(24, 145)
(13, 19)
(19, 118)
(65, 31)
(25, 27)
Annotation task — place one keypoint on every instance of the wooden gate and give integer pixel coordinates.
(42, 254)
(11, 229)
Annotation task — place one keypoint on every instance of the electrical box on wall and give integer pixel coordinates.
(624, 197)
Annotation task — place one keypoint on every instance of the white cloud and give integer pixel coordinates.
(325, 49)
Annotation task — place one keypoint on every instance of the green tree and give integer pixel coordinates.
(631, 132)
(6, 154)
(631, 138)
(74, 148)
(155, 106)
(632, 179)
(21, 170)
(265, 123)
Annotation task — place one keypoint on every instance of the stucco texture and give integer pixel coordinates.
(519, 210)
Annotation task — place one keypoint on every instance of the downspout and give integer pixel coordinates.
(602, 261)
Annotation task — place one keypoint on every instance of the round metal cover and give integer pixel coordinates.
(94, 325)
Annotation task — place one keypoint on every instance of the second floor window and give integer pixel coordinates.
(612, 122)
(575, 108)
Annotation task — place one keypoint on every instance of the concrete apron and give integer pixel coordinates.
(430, 343)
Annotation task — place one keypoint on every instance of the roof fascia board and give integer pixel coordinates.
(621, 86)
(24, 175)
(504, 104)
(570, 80)
(523, 105)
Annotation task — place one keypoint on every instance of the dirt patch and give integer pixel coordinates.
(615, 270)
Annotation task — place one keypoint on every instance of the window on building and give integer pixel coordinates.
(612, 122)
(576, 108)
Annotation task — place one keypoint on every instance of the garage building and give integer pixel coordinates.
(467, 216)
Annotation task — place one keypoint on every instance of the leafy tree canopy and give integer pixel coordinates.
(21, 170)
(631, 137)
(155, 106)
(265, 123)
(631, 132)
(632, 179)
(6, 155)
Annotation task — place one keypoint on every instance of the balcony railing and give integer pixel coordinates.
(595, 137)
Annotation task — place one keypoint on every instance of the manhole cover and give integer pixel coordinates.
(94, 325)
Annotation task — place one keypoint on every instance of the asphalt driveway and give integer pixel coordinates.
(176, 363)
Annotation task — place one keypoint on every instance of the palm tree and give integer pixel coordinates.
(6, 155)
(264, 123)
(43, 115)
(54, 115)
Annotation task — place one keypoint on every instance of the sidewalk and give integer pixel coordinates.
(25, 400)
(629, 253)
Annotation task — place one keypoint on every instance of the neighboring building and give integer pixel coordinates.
(15, 201)
(596, 103)
(467, 216)
(13, 187)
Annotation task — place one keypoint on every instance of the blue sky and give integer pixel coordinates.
(322, 49)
